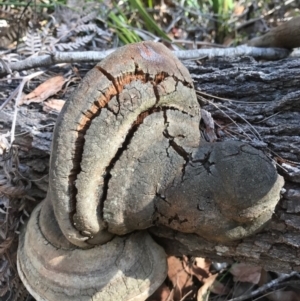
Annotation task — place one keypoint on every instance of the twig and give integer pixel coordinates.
(47, 60)
(20, 90)
(198, 43)
(170, 297)
(269, 117)
(256, 52)
(251, 127)
(247, 23)
(244, 119)
(264, 287)
(11, 96)
(216, 106)
(270, 12)
(186, 295)
(228, 99)
(269, 293)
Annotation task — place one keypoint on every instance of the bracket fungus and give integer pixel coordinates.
(126, 156)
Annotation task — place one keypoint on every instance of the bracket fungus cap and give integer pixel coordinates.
(126, 156)
(127, 268)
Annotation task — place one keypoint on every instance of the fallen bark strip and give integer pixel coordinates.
(96, 56)
(286, 35)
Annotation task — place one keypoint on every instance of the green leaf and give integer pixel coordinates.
(149, 22)
(120, 24)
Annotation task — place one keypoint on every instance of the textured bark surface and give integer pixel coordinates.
(265, 113)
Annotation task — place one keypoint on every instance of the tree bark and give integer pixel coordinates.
(256, 102)
(265, 111)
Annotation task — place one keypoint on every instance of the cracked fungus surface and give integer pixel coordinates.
(145, 111)
(127, 156)
(132, 143)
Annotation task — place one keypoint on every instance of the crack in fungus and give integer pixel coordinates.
(118, 85)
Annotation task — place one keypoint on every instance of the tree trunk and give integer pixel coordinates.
(254, 102)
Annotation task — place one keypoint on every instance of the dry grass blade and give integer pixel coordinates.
(217, 107)
(19, 95)
(186, 295)
(228, 99)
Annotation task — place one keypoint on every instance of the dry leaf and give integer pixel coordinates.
(238, 9)
(243, 272)
(209, 125)
(219, 288)
(53, 105)
(265, 277)
(161, 294)
(203, 292)
(181, 280)
(199, 268)
(48, 88)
